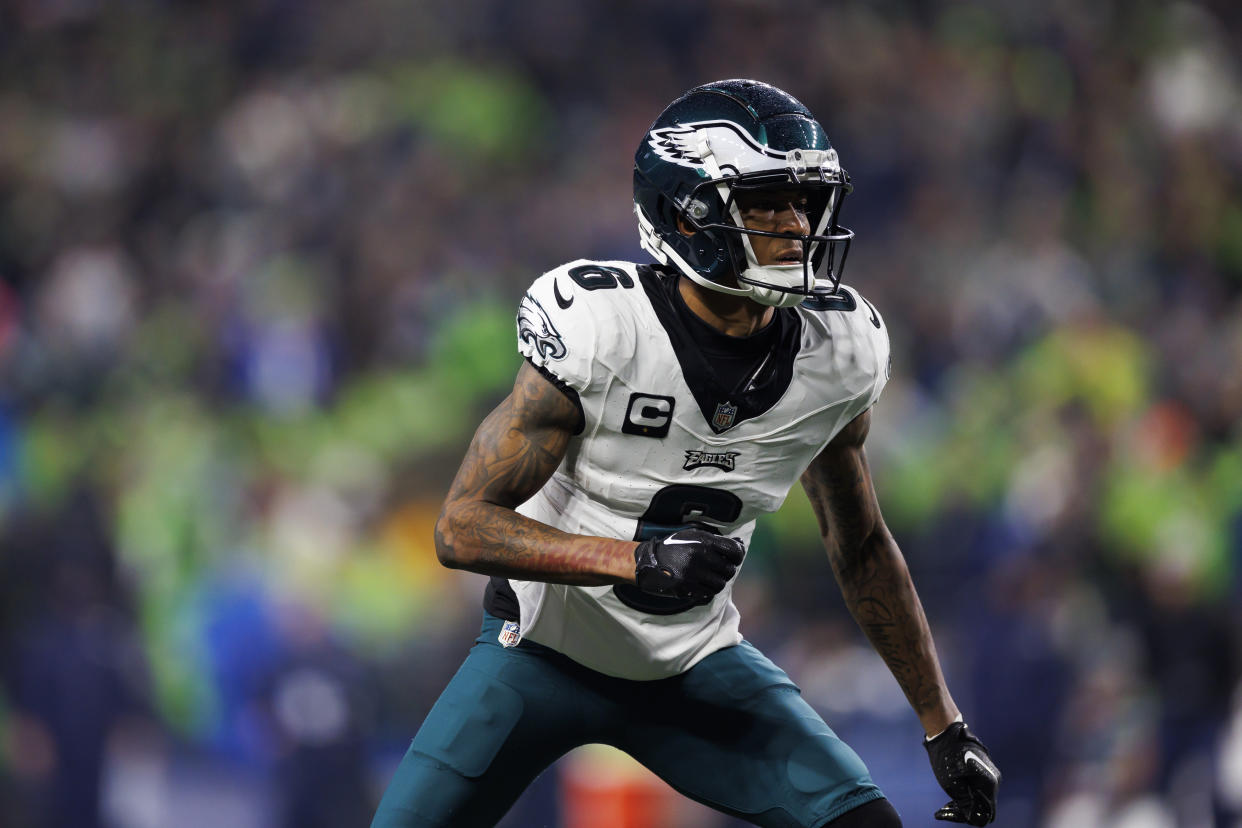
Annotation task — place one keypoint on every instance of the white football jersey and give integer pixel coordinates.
(663, 447)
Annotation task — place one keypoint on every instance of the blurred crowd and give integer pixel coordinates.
(258, 269)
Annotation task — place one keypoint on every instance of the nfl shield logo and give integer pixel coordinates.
(510, 634)
(724, 416)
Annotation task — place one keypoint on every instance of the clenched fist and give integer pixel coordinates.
(690, 563)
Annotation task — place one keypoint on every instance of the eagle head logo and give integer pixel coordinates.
(534, 327)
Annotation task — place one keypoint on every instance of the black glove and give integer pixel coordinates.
(694, 564)
(966, 772)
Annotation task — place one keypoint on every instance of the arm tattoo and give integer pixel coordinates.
(513, 453)
(870, 568)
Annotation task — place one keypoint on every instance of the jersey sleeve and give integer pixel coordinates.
(556, 330)
(873, 352)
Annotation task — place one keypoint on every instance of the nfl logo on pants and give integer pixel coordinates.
(510, 634)
(724, 416)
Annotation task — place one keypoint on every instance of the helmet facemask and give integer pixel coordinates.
(823, 248)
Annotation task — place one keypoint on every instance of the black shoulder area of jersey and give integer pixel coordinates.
(731, 379)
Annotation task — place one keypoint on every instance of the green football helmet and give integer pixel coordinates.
(736, 137)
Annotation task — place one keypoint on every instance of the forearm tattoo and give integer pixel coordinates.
(870, 569)
(513, 453)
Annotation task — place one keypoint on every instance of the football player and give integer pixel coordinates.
(660, 410)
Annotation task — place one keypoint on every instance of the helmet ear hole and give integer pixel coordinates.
(684, 227)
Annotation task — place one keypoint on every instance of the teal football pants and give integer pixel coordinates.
(733, 732)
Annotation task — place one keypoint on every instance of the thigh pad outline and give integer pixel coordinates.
(470, 722)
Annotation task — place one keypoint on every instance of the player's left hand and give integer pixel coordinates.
(967, 773)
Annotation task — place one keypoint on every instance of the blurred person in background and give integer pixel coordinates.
(660, 411)
(69, 662)
(311, 698)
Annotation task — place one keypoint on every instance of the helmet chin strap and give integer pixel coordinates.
(774, 297)
(782, 276)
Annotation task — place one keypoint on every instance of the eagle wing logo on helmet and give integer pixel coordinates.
(535, 328)
(678, 144)
(733, 148)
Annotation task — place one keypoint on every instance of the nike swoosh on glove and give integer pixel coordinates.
(967, 773)
(690, 563)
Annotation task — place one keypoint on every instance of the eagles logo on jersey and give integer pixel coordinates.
(697, 459)
(535, 328)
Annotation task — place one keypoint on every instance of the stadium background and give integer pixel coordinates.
(258, 269)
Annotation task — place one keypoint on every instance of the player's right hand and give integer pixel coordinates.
(694, 564)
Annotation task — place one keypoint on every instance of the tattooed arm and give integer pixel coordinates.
(872, 573)
(512, 455)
